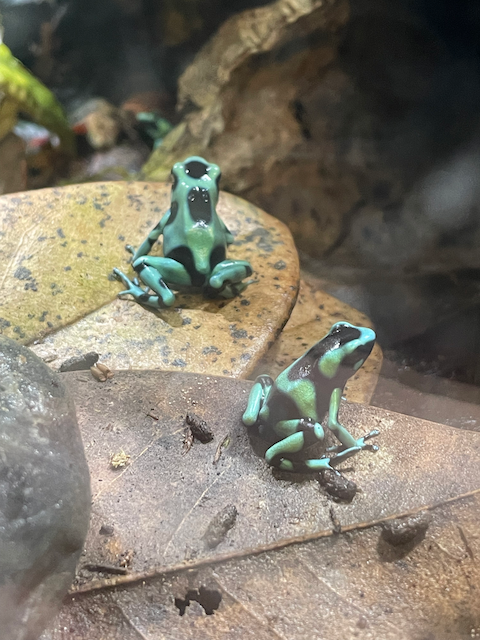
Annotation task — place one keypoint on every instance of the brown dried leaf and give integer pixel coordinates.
(353, 584)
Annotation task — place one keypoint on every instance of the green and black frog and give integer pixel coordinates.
(195, 242)
(286, 413)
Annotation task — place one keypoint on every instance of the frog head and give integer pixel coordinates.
(196, 181)
(343, 350)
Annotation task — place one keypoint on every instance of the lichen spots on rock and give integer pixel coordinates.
(82, 222)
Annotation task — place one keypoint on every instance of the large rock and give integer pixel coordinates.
(44, 492)
(242, 94)
(59, 247)
(294, 100)
(305, 106)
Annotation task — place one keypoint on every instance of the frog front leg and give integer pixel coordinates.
(345, 437)
(256, 400)
(150, 240)
(226, 278)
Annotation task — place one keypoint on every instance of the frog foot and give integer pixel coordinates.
(360, 445)
(133, 287)
(361, 442)
(225, 281)
(142, 296)
(230, 290)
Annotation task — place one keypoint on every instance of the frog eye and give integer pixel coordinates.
(345, 332)
(195, 169)
(338, 327)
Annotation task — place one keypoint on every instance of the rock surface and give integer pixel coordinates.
(44, 492)
(13, 166)
(294, 100)
(72, 238)
(245, 85)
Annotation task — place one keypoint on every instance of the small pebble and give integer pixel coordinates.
(338, 486)
(219, 526)
(403, 530)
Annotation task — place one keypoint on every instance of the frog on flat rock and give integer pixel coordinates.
(286, 413)
(195, 242)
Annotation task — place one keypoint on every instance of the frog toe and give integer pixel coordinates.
(366, 446)
(363, 444)
(168, 297)
(232, 290)
(133, 291)
(119, 275)
(285, 465)
(372, 434)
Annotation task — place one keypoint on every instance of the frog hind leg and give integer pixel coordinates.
(226, 278)
(303, 433)
(155, 272)
(256, 400)
(317, 464)
(345, 437)
(276, 457)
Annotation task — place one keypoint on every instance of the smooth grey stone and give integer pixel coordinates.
(44, 492)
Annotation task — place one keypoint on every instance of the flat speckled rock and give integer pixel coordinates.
(312, 317)
(44, 492)
(59, 247)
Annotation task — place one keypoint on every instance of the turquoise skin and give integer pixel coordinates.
(286, 413)
(195, 243)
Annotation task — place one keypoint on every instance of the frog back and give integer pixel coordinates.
(194, 233)
(302, 391)
(298, 398)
